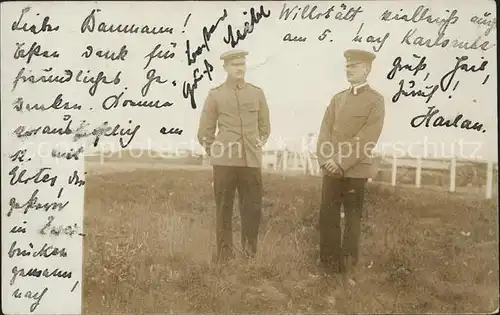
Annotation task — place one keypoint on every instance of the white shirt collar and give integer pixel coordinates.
(355, 88)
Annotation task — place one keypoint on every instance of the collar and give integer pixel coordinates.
(354, 89)
(235, 84)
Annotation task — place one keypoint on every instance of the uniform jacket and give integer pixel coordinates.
(240, 113)
(351, 126)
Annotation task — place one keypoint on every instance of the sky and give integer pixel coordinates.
(298, 78)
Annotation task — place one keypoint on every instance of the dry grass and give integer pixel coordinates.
(150, 239)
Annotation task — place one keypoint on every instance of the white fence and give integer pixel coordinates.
(306, 163)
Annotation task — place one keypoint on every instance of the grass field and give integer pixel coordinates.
(150, 241)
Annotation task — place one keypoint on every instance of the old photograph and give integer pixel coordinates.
(249, 157)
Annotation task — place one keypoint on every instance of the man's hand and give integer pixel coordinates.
(260, 143)
(208, 151)
(332, 167)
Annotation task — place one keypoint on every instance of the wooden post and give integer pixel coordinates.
(312, 167)
(489, 180)
(305, 165)
(453, 173)
(296, 158)
(285, 160)
(419, 172)
(394, 170)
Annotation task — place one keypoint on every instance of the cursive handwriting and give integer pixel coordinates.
(207, 35)
(447, 79)
(189, 88)
(484, 21)
(57, 230)
(19, 156)
(18, 229)
(427, 93)
(37, 296)
(288, 38)
(88, 25)
(37, 273)
(151, 76)
(113, 101)
(24, 132)
(160, 54)
(71, 155)
(95, 80)
(430, 90)
(441, 41)
(414, 69)
(309, 13)
(106, 54)
(75, 179)
(422, 13)
(255, 18)
(33, 203)
(46, 251)
(58, 104)
(171, 131)
(34, 51)
(431, 119)
(107, 130)
(42, 176)
(45, 27)
(370, 39)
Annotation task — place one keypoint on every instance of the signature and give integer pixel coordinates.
(207, 34)
(429, 91)
(255, 18)
(189, 88)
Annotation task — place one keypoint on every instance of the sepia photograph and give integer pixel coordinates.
(251, 157)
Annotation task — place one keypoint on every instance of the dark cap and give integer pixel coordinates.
(355, 56)
(232, 54)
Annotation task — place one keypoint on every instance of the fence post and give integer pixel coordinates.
(394, 170)
(305, 165)
(309, 163)
(313, 164)
(295, 158)
(489, 180)
(285, 160)
(453, 173)
(419, 172)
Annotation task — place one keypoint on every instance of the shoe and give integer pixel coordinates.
(332, 268)
(349, 262)
(350, 270)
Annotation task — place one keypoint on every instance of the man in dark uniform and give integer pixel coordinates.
(350, 128)
(240, 111)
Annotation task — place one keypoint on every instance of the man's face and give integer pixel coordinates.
(357, 73)
(236, 68)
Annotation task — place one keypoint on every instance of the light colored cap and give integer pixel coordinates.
(232, 54)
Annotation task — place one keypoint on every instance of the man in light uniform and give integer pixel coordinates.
(240, 112)
(350, 128)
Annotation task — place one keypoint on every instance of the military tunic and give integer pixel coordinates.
(351, 126)
(241, 114)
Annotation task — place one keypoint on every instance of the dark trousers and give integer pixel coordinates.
(333, 248)
(248, 182)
